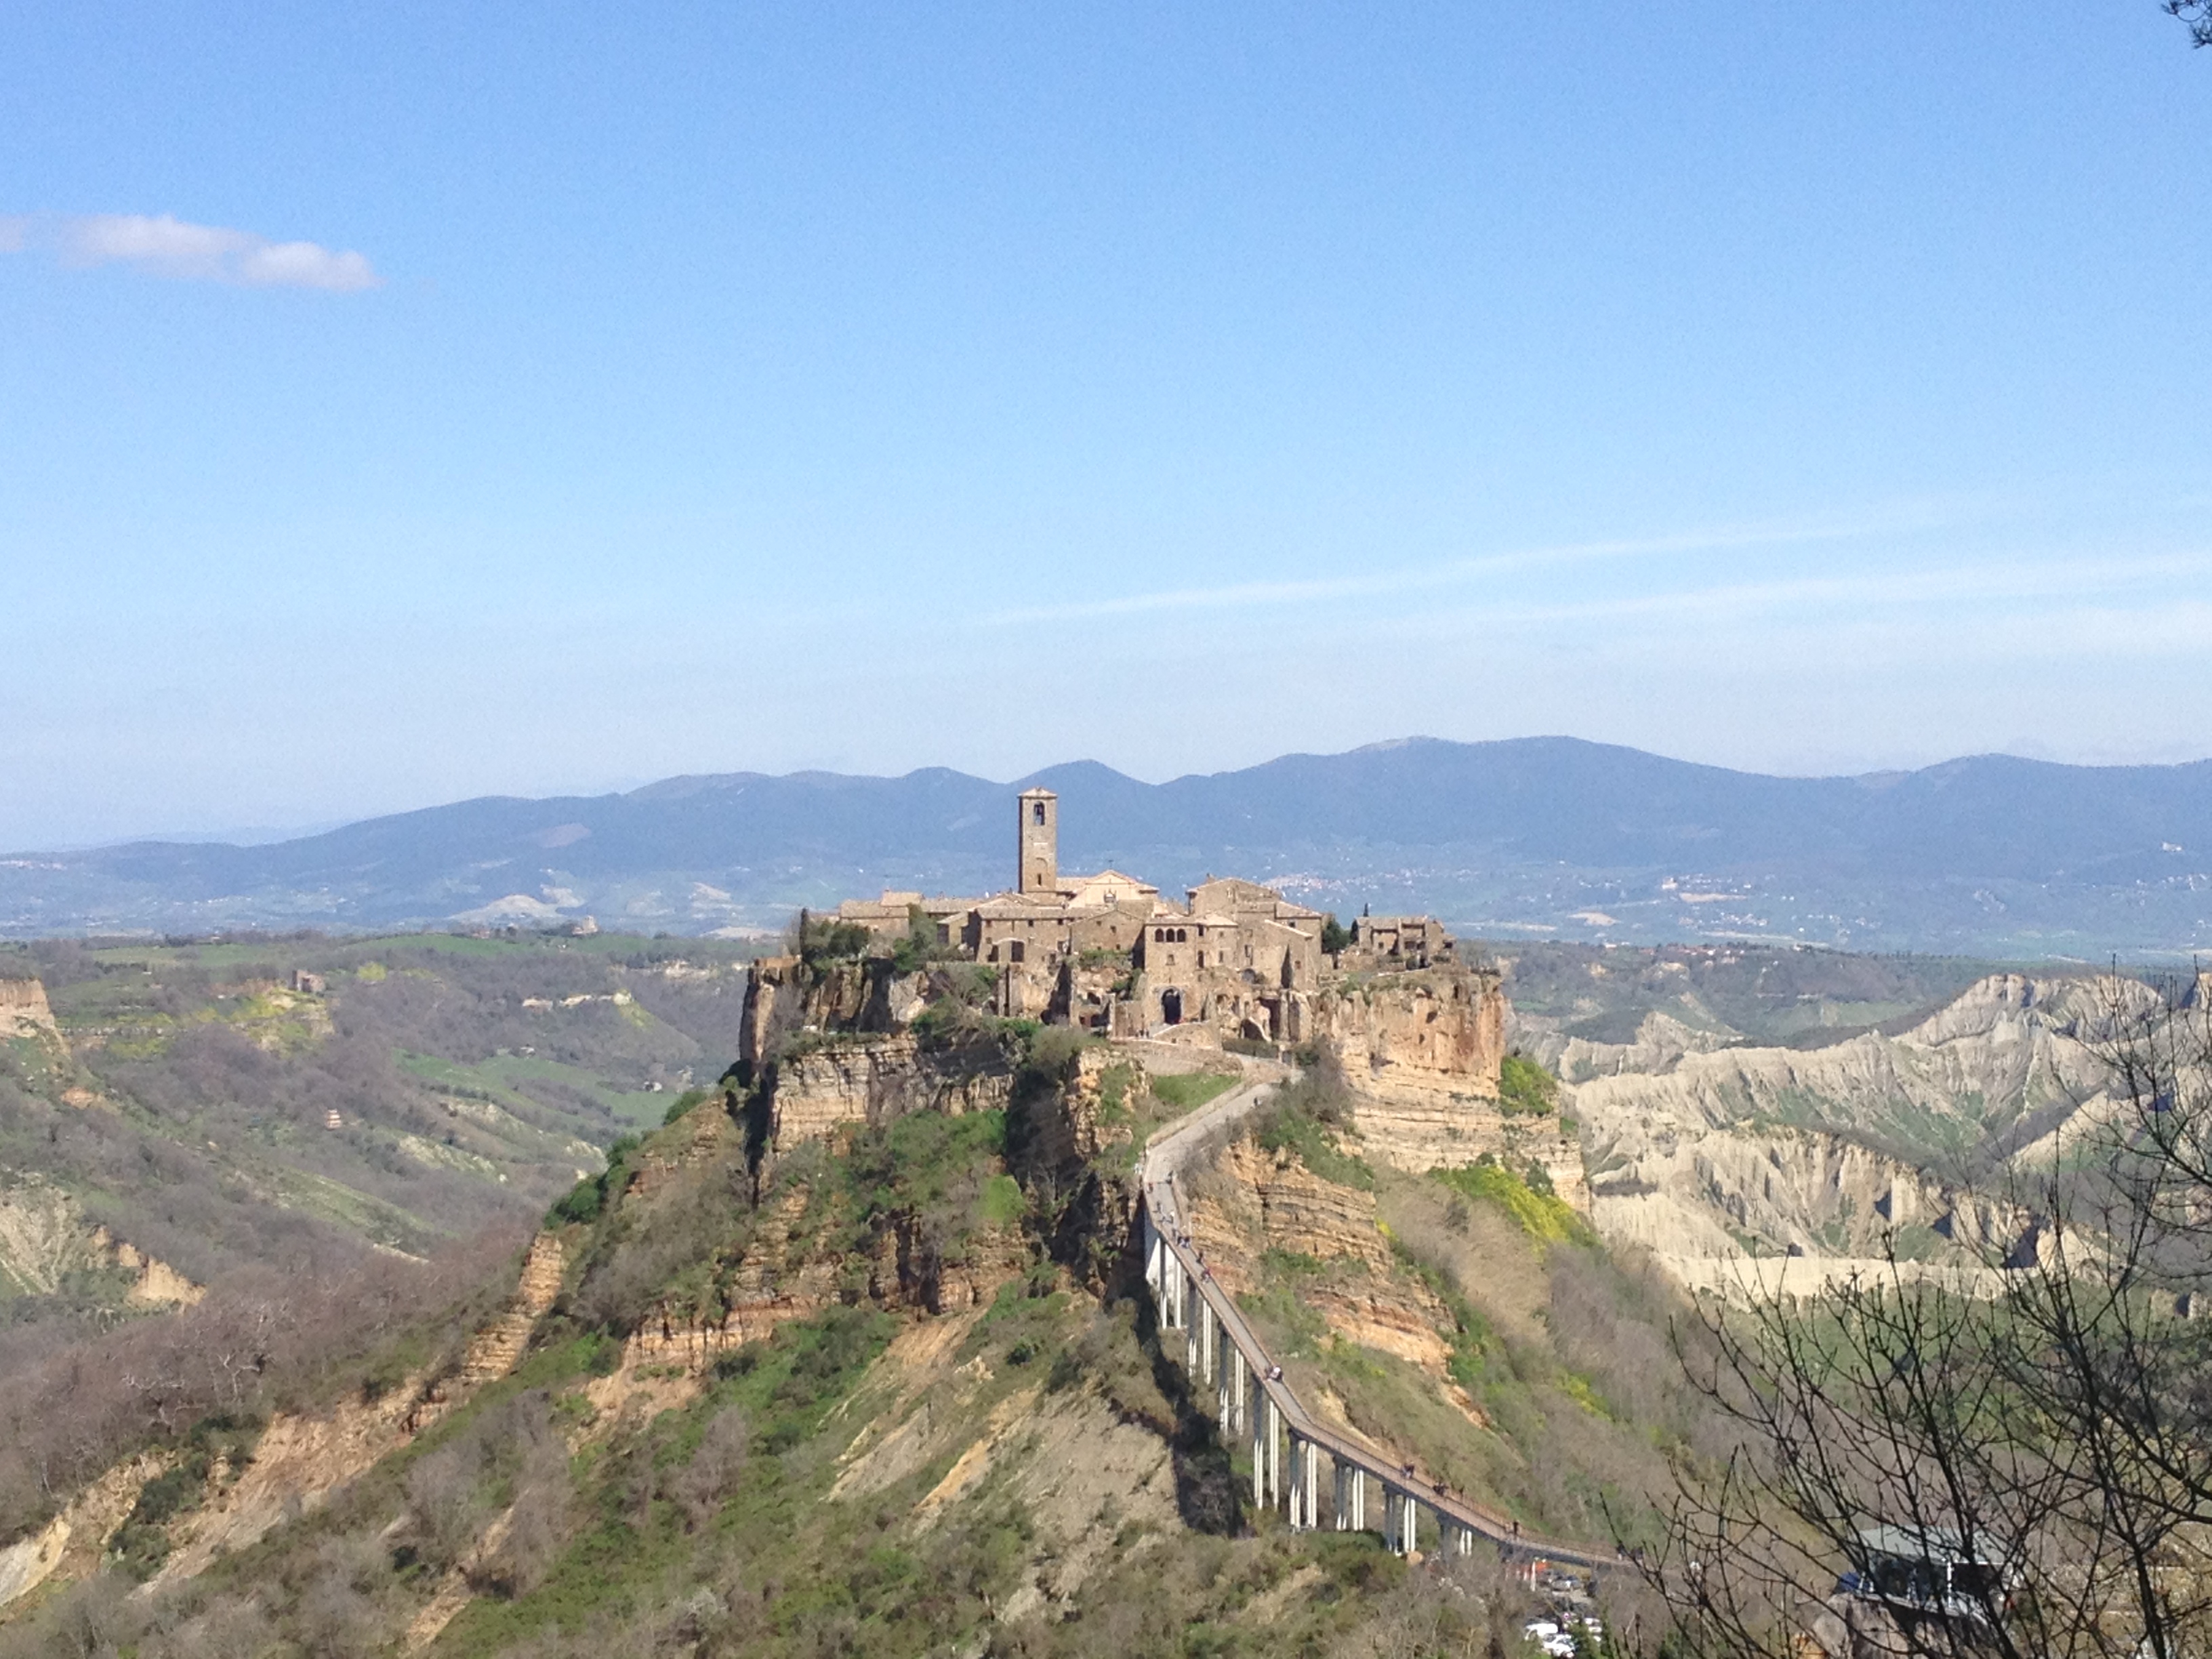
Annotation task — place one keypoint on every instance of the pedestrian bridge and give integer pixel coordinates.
(1366, 1490)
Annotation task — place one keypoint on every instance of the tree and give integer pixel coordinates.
(2197, 14)
(2012, 1458)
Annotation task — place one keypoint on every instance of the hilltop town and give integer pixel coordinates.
(874, 1013)
(1235, 961)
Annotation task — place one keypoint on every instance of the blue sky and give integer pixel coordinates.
(399, 404)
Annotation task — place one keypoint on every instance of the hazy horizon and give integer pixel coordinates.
(263, 835)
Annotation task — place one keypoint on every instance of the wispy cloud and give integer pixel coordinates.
(1454, 571)
(164, 245)
(2017, 585)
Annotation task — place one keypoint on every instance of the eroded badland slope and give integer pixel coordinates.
(1898, 1138)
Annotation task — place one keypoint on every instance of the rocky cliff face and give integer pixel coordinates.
(1821, 1153)
(874, 1080)
(1420, 1052)
(826, 1043)
(1256, 1201)
(786, 997)
(1436, 1030)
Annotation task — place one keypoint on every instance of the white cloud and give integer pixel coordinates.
(169, 246)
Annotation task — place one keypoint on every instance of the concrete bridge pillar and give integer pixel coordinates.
(1351, 1497)
(1272, 1438)
(1305, 1485)
(1401, 1520)
(1260, 1451)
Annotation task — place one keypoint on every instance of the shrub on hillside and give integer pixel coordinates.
(1528, 1199)
(1310, 1118)
(1525, 1088)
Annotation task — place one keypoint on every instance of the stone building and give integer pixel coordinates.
(1037, 844)
(1388, 942)
(1234, 960)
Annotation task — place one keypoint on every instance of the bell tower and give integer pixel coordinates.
(1038, 846)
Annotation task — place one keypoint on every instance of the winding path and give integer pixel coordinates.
(1255, 1399)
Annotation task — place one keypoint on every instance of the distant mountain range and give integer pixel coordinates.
(1539, 837)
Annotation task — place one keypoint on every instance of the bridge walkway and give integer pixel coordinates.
(1254, 1399)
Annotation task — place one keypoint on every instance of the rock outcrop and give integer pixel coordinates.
(46, 1242)
(1438, 1030)
(23, 1009)
(1822, 1153)
(1420, 1051)
(873, 1079)
(787, 997)
(499, 1347)
(1256, 1201)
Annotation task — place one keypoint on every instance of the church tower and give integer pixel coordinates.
(1039, 843)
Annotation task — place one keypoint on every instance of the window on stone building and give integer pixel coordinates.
(1014, 951)
(1036, 811)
